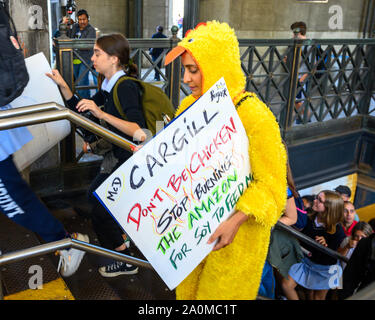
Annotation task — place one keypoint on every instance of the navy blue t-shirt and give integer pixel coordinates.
(333, 241)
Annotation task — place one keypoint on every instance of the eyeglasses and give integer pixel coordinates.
(319, 200)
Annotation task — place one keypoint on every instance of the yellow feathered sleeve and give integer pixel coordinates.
(266, 196)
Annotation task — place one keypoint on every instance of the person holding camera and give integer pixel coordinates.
(82, 30)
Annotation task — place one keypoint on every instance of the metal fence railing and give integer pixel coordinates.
(338, 82)
(338, 79)
(300, 236)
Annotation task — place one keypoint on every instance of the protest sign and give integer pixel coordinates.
(172, 194)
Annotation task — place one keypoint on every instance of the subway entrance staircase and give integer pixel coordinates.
(18, 278)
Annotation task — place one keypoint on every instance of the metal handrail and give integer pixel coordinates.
(14, 112)
(169, 43)
(70, 243)
(47, 112)
(300, 236)
(367, 293)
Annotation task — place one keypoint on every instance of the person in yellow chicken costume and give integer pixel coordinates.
(233, 269)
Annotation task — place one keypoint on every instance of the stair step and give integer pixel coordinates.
(145, 285)
(17, 279)
(86, 283)
(54, 290)
(22, 275)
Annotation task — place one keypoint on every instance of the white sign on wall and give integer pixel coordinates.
(171, 195)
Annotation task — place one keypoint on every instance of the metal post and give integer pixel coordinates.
(64, 63)
(372, 20)
(286, 117)
(250, 67)
(366, 19)
(191, 14)
(364, 105)
(323, 81)
(270, 74)
(173, 72)
(138, 7)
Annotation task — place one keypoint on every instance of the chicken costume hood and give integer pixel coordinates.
(234, 272)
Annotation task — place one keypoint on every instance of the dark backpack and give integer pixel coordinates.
(155, 103)
(13, 72)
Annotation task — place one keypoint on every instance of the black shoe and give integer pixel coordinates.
(118, 268)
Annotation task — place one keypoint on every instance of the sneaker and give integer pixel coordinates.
(117, 268)
(127, 243)
(71, 259)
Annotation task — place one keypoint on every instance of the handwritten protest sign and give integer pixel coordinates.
(172, 194)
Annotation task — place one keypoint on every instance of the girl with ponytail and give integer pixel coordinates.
(111, 59)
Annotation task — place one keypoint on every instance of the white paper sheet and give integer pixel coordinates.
(40, 89)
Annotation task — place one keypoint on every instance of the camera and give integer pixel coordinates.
(70, 7)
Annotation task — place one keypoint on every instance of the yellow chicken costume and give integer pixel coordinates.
(234, 272)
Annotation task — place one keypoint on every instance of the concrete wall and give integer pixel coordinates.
(31, 20)
(272, 18)
(111, 15)
(250, 18)
(155, 12)
(107, 15)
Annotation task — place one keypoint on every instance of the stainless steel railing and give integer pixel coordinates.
(300, 236)
(367, 293)
(47, 112)
(66, 244)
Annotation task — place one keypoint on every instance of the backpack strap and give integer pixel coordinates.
(243, 99)
(116, 100)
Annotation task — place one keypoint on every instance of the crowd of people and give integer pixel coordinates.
(275, 259)
(302, 271)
